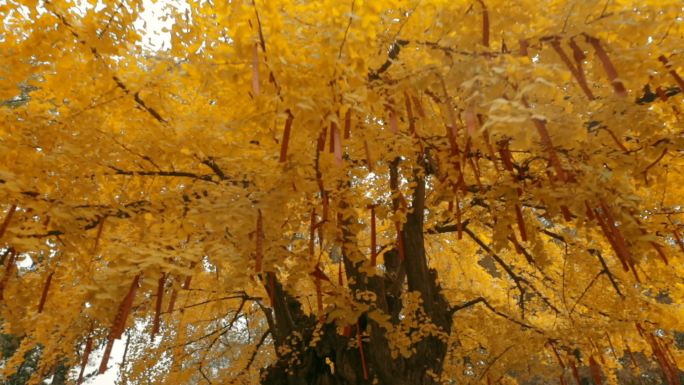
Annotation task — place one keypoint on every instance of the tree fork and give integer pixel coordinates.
(306, 364)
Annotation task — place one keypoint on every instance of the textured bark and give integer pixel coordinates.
(306, 365)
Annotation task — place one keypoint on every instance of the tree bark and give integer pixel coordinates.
(336, 359)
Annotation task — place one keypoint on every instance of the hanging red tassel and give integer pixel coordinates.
(188, 279)
(524, 44)
(471, 121)
(595, 371)
(158, 304)
(548, 144)
(331, 142)
(419, 106)
(318, 273)
(364, 366)
(590, 212)
(619, 241)
(9, 268)
(336, 143)
(320, 144)
(567, 215)
(286, 137)
(409, 112)
(608, 66)
(668, 353)
(84, 361)
(324, 218)
(575, 373)
(507, 160)
(340, 279)
(610, 237)
(672, 72)
(369, 160)
(119, 324)
(394, 124)
(521, 222)
(347, 124)
(100, 227)
(172, 300)
(576, 71)
(476, 171)
(400, 241)
(459, 224)
(518, 248)
(105, 356)
(259, 253)
(46, 287)
(7, 220)
(255, 69)
(326, 204)
(485, 24)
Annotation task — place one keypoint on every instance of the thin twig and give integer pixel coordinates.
(346, 31)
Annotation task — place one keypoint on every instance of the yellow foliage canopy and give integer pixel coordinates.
(339, 189)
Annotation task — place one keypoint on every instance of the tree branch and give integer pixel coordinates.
(256, 349)
(598, 255)
(180, 174)
(518, 280)
(209, 162)
(486, 303)
(393, 54)
(119, 83)
(610, 275)
(186, 174)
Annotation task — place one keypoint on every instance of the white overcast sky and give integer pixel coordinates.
(152, 23)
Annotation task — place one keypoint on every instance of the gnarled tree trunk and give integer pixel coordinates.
(336, 359)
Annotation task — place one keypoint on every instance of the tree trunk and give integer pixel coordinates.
(336, 359)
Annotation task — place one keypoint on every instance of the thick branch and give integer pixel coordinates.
(186, 174)
(181, 174)
(417, 274)
(289, 316)
(393, 54)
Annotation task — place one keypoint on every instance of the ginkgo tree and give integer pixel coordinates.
(344, 192)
